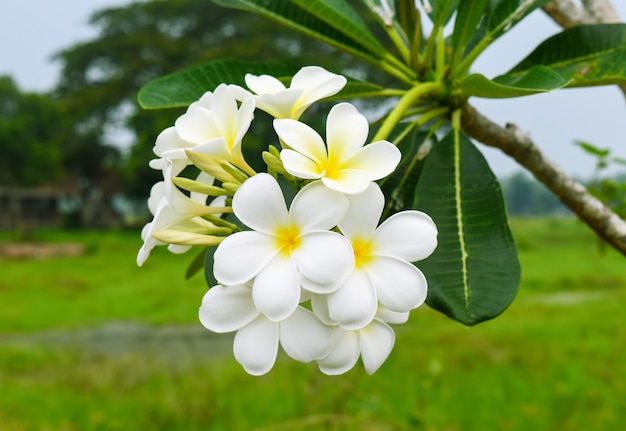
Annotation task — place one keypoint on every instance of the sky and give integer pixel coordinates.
(31, 31)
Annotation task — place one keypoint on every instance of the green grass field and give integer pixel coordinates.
(95, 343)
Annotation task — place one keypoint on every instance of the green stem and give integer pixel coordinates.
(395, 67)
(399, 42)
(397, 113)
(440, 60)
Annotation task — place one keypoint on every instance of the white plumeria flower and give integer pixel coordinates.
(285, 250)
(213, 125)
(174, 210)
(308, 85)
(302, 336)
(346, 165)
(382, 272)
(373, 344)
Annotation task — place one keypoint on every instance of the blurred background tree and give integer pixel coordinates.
(31, 139)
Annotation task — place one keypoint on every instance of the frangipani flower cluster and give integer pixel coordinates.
(320, 276)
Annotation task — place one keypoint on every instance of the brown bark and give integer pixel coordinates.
(574, 195)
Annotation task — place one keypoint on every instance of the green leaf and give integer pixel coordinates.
(538, 79)
(400, 185)
(468, 17)
(504, 14)
(339, 15)
(474, 273)
(186, 86)
(291, 15)
(500, 17)
(587, 55)
(592, 149)
(196, 264)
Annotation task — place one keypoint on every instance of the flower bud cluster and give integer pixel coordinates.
(319, 277)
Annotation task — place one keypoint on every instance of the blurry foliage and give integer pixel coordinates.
(611, 190)
(525, 196)
(31, 136)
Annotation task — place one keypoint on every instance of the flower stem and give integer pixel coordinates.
(396, 114)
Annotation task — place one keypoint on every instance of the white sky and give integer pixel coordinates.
(31, 31)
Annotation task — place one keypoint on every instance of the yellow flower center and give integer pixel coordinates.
(287, 239)
(362, 252)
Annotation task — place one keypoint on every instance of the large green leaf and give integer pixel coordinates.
(538, 79)
(468, 18)
(291, 15)
(186, 86)
(500, 17)
(587, 55)
(339, 15)
(474, 273)
(399, 186)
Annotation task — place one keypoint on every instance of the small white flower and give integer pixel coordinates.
(214, 125)
(302, 336)
(309, 85)
(285, 250)
(173, 210)
(346, 165)
(383, 274)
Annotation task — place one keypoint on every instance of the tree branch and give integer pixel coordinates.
(574, 195)
(601, 11)
(567, 13)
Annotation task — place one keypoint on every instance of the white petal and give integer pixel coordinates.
(349, 181)
(316, 207)
(168, 140)
(256, 346)
(316, 288)
(377, 341)
(224, 109)
(408, 235)
(304, 338)
(243, 119)
(276, 290)
(343, 356)
(260, 205)
(323, 257)
(378, 159)
(400, 285)
(217, 147)
(239, 93)
(227, 309)
(364, 211)
(300, 166)
(319, 304)
(301, 138)
(241, 256)
(386, 315)
(263, 84)
(197, 125)
(318, 83)
(354, 305)
(157, 197)
(280, 105)
(178, 249)
(346, 131)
